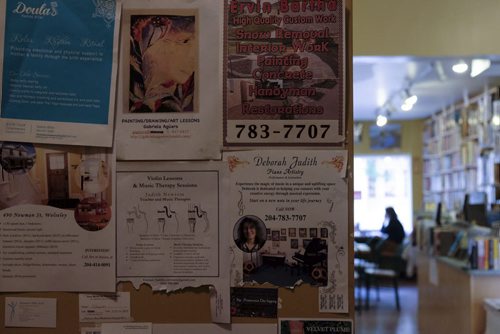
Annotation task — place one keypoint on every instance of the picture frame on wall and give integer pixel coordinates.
(292, 232)
(305, 242)
(283, 231)
(276, 235)
(323, 232)
(387, 137)
(294, 243)
(313, 232)
(283, 238)
(303, 232)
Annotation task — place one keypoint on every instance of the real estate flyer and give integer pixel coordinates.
(285, 73)
(170, 86)
(57, 227)
(58, 71)
(172, 229)
(288, 211)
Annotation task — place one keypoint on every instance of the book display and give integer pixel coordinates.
(458, 153)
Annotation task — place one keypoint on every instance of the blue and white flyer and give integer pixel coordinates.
(169, 104)
(57, 226)
(58, 71)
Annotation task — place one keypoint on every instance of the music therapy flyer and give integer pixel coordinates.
(171, 231)
(59, 71)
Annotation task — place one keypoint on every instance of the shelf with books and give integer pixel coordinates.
(454, 141)
(483, 253)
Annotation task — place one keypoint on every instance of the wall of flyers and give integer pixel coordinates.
(164, 156)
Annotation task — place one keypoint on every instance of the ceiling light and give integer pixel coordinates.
(411, 100)
(406, 106)
(495, 120)
(478, 66)
(381, 120)
(460, 67)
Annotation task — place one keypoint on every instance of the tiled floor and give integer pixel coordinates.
(383, 318)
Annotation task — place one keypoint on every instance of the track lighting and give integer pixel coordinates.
(406, 106)
(381, 120)
(411, 99)
(460, 67)
(478, 66)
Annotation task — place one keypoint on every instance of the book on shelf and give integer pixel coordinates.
(484, 253)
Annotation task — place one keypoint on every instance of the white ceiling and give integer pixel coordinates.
(380, 81)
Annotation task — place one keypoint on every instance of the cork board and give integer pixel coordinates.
(192, 305)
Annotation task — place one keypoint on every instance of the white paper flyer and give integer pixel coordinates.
(57, 227)
(172, 229)
(127, 328)
(170, 86)
(30, 312)
(288, 211)
(112, 307)
(58, 71)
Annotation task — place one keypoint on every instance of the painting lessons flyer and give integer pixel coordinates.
(170, 86)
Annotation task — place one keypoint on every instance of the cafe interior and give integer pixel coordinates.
(426, 101)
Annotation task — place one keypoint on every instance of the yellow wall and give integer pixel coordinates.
(426, 27)
(411, 143)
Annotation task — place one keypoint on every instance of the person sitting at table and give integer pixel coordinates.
(394, 230)
(393, 227)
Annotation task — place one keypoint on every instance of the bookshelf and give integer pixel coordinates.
(461, 152)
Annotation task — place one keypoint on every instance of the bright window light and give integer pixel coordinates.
(460, 67)
(379, 183)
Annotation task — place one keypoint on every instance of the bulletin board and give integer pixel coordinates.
(192, 305)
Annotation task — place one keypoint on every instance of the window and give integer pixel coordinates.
(381, 181)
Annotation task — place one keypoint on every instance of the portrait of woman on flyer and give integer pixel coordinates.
(163, 60)
(249, 233)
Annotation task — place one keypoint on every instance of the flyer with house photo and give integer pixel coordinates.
(58, 71)
(57, 224)
(169, 104)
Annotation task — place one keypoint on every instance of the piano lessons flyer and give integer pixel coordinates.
(288, 212)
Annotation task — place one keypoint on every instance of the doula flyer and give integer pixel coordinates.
(59, 71)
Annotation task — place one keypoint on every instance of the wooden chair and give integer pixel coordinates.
(387, 268)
